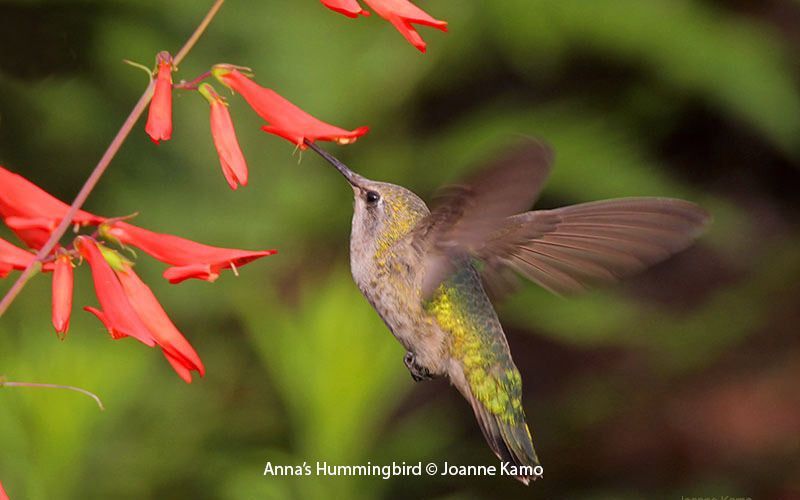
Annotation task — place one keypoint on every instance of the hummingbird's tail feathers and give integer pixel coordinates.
(510, 440)
(485, 375)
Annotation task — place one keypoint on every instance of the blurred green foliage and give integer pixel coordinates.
(695, 99)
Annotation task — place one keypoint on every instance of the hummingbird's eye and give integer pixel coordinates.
(373, 197)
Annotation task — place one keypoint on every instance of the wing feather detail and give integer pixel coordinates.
(569, 249)
(466, 214)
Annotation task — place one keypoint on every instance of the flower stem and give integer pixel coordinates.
(102, 165)
(192, 84)
(198, 32)
(5, 383)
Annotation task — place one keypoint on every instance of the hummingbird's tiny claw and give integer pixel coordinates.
(418, 373)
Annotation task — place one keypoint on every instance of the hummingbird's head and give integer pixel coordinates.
(382, 212)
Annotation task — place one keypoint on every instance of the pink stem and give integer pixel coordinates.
(192, 84)
(5, 383)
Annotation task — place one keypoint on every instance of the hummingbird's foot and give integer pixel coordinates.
(418, 373)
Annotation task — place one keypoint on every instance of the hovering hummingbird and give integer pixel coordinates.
(424, 271)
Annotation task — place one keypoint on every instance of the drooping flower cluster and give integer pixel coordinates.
(284, 118)
(401, 13)
(128, 307)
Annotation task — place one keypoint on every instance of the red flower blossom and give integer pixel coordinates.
(234, 166)
(349, 8)
(31, 212)
(286, 120)
(117, 314)
(127, 306)
(3, 494)
(191, 259)
(176, 348)
(34, 232)
(159, 117)
(13, 257)
(62, 294)
(131, 309)
(401, 13)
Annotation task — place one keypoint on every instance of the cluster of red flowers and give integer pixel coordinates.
(285, 119)
(401, 13)
(128, 307)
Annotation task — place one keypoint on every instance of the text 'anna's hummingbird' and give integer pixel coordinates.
(417, 267)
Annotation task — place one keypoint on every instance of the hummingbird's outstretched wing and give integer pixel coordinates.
(568, 249)
(564, 250)
(465, 215)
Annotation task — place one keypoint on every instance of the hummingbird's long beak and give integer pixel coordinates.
(353, 178)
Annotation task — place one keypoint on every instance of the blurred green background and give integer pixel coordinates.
(680, 382)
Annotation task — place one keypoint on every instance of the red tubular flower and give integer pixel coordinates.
(176, 348)
(286, 120)
(403, 15)
(117, 314)
(13, 257)
(159, 117)
(31, 212)
(234, 166)
(131, 309)
(191, 259)
(62, 294)
(3, 494)
(349, 8)
(34, 232)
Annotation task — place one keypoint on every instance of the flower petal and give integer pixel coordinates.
(403, 14)
(115, 334)
(163, 330)
(193, 260)
(62, 294)
(118, 315)
(182, 370)
(34, 232)
(159, 117)
(23, 198)
(349, 8)
(178, 274)
(285, 119)
(31, 212)
(13, 256)
(234, 166)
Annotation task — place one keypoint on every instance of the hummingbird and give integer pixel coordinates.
(426, 271)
